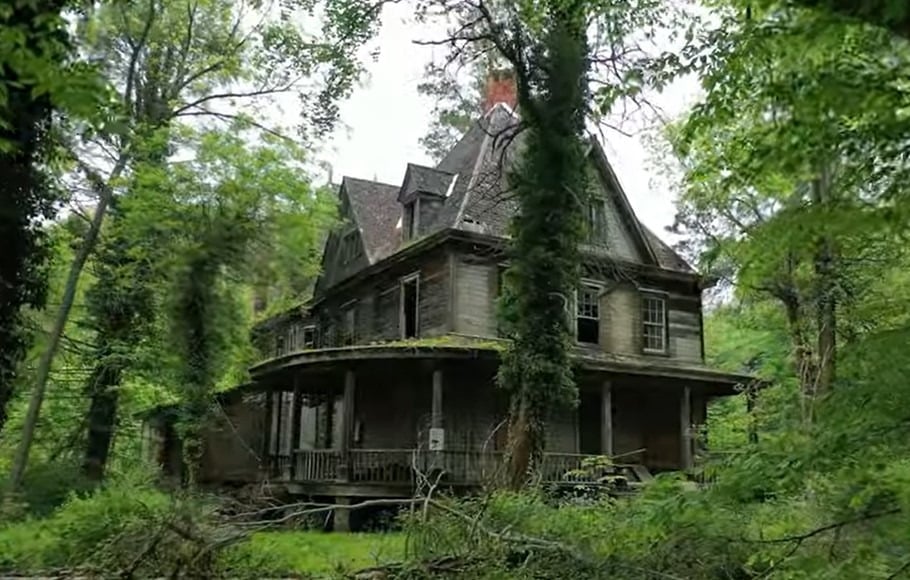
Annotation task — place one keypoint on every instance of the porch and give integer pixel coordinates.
(372, 421)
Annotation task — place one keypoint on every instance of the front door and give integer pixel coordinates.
(589, 426)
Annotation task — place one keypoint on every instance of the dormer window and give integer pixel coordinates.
(411, 219)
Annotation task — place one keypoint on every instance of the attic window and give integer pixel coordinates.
(350, 248)
(595, 220)
(410, 306)
(587, 316)
(411, 219)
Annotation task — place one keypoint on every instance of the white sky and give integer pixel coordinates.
(385, 118)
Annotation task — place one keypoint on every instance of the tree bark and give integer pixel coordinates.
(20, 460)
(102, 417)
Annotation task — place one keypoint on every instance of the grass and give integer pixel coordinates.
(318, 554)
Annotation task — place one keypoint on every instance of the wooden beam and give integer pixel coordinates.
(685, 428)
(267, 438)
(606, 419)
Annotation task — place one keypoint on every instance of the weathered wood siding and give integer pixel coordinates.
(620, 321)
(475, 298)
(562, 432)
(233, 442)
(646, 421)
(685, 328)
(390, 409)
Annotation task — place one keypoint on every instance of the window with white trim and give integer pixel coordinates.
(654, 323)
(309, 336)
(587, 314)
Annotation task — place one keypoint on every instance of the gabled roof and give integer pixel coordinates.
(376, 212)
(471, 182)
(419, 179)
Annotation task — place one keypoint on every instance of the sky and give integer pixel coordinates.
(385, 117)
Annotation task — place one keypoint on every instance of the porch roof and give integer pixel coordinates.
(489, 349)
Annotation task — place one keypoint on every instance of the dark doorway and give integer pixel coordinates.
(589, 423)
(409, 306)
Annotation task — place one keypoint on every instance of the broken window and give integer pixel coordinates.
(654, 321)
(410, 304)
(587, 316)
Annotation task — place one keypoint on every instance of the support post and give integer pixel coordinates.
(606, 419)
(279, 411)
(436, 409)
(341, 516)
(685, 428)
(347, 424)
(296, 404)
(267, 436)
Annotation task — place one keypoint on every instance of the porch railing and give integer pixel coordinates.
(400, 466)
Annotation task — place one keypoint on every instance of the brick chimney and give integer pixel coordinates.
(500, 89)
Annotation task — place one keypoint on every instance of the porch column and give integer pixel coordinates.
(296, 404)
(267, 438)
(685, 428)
(347, 423)
(606, 419)
(341, 516)
(436, 408)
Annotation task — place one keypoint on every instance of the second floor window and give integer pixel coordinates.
(587, 316)
(410, 306)
(349, 325)
(309, 336)
(654, 323)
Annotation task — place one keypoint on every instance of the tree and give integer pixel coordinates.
(557, 50)
(37, 77)
(172, 62)
(793, 170)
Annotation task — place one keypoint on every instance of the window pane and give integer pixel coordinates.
(654, 328)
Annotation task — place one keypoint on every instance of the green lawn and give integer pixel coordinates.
(319, 553)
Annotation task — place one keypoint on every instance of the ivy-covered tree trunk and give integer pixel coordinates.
(550, 184)
(24, 196)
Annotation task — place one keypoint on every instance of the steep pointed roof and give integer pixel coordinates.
(376, 212)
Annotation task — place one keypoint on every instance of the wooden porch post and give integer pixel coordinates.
(606, 419)
(436, 409)
(296, 405)
(279, 411)
(685, 428)
(267, 438)
(347, 423)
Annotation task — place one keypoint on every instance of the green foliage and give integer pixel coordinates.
(315, 554)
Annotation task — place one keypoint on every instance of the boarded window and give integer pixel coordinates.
(410, 304)
(654, 321)
(587, 317)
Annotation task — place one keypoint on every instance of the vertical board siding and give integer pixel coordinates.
(475, 300)
(685, 329)
(434, 298)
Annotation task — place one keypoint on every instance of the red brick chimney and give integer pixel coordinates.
(500, 89)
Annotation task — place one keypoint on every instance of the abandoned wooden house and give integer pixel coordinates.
(390, 367)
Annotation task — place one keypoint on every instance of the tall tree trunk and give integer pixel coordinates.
(20, 460)
(24, 199)
(102, 417)
(826, 294)
(551, 188)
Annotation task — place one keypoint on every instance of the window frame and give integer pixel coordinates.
(402, 320)
(312, 328)
(411, 223)
(663, 297)
(598, 287)
(596, 220)
(349, 323)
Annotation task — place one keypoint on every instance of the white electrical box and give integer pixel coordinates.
(437, 438)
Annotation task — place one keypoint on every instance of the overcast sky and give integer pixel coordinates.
(386, 117)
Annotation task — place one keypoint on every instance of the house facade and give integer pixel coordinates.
(388, 373)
